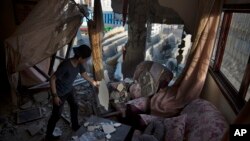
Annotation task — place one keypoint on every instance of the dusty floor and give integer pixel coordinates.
(35, 130)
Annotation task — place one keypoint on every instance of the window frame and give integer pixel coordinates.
(236, 98)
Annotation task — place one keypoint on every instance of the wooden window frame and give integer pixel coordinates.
(236, 98)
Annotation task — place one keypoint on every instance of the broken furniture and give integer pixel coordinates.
(150, 77)
(94, 125)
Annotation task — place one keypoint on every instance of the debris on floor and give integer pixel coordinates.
(28, 115)
(28, 122)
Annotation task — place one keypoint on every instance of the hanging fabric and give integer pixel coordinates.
(49, 26)
(189, 85)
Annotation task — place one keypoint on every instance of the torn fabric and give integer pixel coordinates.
(50, 26)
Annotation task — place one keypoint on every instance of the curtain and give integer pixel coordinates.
(189, 85)
(50, 25)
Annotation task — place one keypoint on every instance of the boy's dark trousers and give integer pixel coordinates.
(57, 111)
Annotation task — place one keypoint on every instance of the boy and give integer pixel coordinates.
(62, 90)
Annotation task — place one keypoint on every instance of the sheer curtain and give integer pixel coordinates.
(189, 85)
(51, 25)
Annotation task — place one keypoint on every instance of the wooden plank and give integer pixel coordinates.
(96, 51)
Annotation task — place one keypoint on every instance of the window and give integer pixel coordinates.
(230, 61)
(168, 45)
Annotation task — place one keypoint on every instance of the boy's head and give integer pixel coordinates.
(82, 52)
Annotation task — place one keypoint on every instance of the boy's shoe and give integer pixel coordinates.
(51, 138)
(76, 128)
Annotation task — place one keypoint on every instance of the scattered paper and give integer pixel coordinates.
(128, 80)
(57, 132)
(117, 124)
(120, 87)
(108, 136)
(107, 128)
(86, 124)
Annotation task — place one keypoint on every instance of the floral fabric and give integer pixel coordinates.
(204, 122)
(149, 118)
(141, 103)
(135, 91)
(175, 128)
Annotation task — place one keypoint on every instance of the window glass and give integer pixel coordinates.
(237, 49)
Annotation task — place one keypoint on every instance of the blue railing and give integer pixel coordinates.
(108, 19)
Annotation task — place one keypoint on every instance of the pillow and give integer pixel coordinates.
(147, 84)
(146, 119)
(157, 129)
(205, 120)
(144, 137)
(175, 128)
(139, 104)
(135, 90)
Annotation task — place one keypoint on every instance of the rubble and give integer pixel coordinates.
(57, 132)
(26, 105)
(41, 96)
(28, 115)
(8, 129)
(34, 129)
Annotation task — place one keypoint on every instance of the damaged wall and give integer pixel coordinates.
(139, 12)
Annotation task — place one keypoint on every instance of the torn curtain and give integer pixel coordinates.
(189, 85)
(51, 25)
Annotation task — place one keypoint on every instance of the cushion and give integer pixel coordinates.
(147, 84)
(157, 129)
(141, 104)
(145, 65)
(135, 90)
(146, 119)
(204, 121)
(144, 137)
(175, 128)
(161, 75)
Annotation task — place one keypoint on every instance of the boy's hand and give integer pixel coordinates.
(96, 83)
(57, 101)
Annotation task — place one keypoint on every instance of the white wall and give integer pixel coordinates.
(212, 93)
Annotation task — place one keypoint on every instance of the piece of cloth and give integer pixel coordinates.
(154, 132)
(157, 129)
(144, 137)
(65, 75)
(51, 25)
(57, 111)
(189, 85)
